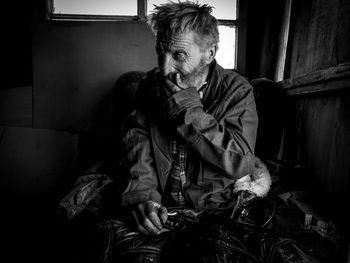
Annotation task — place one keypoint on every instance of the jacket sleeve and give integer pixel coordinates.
(137, 162)
(226, 142)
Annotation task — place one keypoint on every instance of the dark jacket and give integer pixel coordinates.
(220, 131)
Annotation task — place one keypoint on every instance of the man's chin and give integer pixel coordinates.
(195, 82)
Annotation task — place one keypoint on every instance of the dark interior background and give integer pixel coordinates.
(58, 80)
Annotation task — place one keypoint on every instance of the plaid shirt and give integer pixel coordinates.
(177, 177)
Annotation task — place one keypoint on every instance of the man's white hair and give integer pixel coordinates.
(174, 18)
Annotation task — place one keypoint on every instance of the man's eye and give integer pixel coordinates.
(180, 56)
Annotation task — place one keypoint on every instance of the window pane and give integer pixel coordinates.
(223, 9)
(227, 47)
(94, 7)
(151, 3)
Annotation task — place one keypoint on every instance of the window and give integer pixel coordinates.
(224, 10)
(94, 7)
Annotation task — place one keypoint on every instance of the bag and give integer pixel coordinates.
(190, 237)
(253, 210)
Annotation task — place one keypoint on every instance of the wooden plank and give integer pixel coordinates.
(328, 85)
(226, 22)
(332, 78)
(142, 9)
(324, 139)
(320, 35)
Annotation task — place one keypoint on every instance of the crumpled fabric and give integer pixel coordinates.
(259, 182)
(85, 196)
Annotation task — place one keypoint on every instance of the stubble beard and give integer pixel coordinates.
(197, 76)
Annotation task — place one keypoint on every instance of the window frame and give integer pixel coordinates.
(142, 16)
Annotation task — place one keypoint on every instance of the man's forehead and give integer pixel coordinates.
(181, 39)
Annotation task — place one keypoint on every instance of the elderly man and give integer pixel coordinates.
(188, 145)
(193, 132)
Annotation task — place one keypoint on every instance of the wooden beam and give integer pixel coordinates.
(226, 22)
(282, 49)
(241, 37)
(74, 17)
(49, 9)
(142, 9)
(333, 78)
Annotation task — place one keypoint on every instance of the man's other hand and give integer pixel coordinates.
(150, 217)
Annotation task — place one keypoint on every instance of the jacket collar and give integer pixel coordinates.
(212, 90)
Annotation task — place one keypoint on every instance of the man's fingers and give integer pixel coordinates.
(171, 86)
(163, 214)
(149, 216)
(137, 222)
(150, 227)
(178, 82)
(139, 218)
(144, 225)
(153, 217)
(151, 212)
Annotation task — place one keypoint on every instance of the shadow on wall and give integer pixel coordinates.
(103, 143)
(76, 65)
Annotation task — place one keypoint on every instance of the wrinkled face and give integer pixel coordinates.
(181, 54)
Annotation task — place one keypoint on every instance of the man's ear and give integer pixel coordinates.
(211, 53)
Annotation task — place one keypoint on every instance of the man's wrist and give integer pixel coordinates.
(181, 100)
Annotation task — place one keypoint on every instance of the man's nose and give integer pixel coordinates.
(167, 65)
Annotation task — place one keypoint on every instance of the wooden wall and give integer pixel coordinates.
(319, 36)
(317, 77)
(323, 130)
(74, 66)
(58, 83)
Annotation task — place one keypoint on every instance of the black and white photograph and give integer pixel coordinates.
(166, 131)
